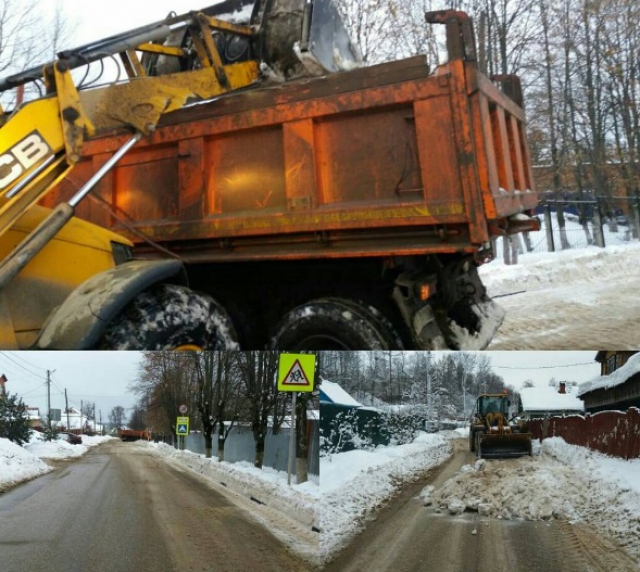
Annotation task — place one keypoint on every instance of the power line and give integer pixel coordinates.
(6, 355)
(542, 366)
(22, 359)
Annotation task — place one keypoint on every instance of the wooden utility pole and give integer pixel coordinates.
(66, 406)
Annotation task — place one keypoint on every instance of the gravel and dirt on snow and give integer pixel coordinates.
(289, 512)
(356, 484)
(575, 299)
(563, 482)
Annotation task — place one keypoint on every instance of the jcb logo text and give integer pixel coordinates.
(21, 157)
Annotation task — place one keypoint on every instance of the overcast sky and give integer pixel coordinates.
(100, 377)
(516, 367)
(93, 20)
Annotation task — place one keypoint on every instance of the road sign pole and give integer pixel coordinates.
(292, 438)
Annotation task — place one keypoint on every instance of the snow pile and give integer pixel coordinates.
(355, 484)
(60, 449)
(55, 449)
(619, 376)
(539, 271)
(17, 465)
(266, 485)
(565, 482)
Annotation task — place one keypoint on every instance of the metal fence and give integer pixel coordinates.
(576, 224)
(610, 432)
(240, 446)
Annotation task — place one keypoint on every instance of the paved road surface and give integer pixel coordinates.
(407, 537)
(120, 509)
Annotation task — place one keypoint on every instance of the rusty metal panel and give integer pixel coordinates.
(299, 164)
(438, 155)
(245, 172)
(190, 168)
(504, 163)
(368, 157)
(147, 184)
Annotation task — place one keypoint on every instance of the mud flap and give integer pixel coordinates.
(466, 315)
(489, 318)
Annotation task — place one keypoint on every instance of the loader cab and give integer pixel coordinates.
(492, 404)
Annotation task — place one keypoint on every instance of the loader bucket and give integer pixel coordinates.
(495, 446)
(301, 38)
(329, 42)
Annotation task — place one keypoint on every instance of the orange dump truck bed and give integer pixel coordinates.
(384, 160)
(402, 172)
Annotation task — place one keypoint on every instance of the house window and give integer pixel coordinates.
(612, 364)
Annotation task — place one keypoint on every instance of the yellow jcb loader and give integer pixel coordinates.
(491, 434)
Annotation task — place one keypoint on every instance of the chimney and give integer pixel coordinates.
(563, 387)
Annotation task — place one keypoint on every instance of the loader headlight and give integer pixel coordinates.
(121, 252)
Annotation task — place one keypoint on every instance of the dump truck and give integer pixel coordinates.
(493, 432)
(320, 206)
(133, 434)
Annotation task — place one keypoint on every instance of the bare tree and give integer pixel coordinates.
(258, 370)
(117, 417)
(30, 35)
(218, 396)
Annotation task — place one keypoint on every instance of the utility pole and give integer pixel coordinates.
(429, 396)
(66, 406)
(49, 397)
(101, 428)
(81, 408)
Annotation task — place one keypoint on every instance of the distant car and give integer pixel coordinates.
(71, 438)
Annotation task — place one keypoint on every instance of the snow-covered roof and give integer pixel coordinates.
(548, 399)
(33, 413)
(333, 393)
(618, 377)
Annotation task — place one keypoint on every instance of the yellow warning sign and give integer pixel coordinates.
(295, 372)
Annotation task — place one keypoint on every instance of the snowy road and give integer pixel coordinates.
(120, 508)
(575, 300)
(407, 537)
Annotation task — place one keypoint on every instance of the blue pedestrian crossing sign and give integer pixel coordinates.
(182, 426)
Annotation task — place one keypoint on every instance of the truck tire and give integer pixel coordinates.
(335, 324)
(170, 317)
(472, 441)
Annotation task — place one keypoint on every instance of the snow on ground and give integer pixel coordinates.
(291, 512)
(564, 482)
(17, 465)
(355, 484)
(263, 483)
(576, 299)
(537, 271)
(60, 449)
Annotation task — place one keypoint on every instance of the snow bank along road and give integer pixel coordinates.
(407, 536)
(572, 300)
(120, 508)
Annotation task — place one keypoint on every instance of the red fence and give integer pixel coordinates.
(610, 432)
